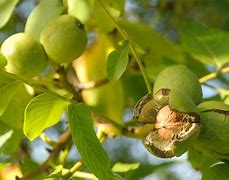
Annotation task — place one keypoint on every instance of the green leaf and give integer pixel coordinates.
(11, 141)
(43, 111)
(200, 161)
(3, 61)
(209, 46)
(13, 115)
(159, 52)
(80, 9)
(5, 137)
(4, 80)
(6, 9)
(218, 171)
(116, 63)
(147, 169)
(7, 91)
(124, 167)
(28, 166)
(115, 8)
(41, 14)
(88, 145)
(131, 80)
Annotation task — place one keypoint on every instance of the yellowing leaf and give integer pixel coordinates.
(6, 9)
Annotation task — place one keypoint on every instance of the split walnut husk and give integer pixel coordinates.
(172, 111)
(174, 119)
(173, 133)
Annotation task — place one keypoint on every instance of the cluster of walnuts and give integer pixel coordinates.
(180, 119)
(62, 40)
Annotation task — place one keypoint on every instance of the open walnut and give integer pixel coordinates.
(172, 111)
(171, 129)
(174, 119)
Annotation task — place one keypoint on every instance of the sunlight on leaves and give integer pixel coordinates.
(116, 63)
(88, 145)
(42, 112)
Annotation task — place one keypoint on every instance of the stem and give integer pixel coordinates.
(33, 84)
(102, 137)
(64, 154)
(92, 84)
(47, 140)
(67, 85)
(213, 74)
(137, 132)
(65, 137)
(76, 166)
(131, 45)
(84, 175)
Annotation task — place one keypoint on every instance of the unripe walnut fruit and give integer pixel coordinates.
(25, 56)
(214, 137)
(174, 118)
(181, 78)
(64, 39)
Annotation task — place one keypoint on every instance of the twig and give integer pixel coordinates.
(55, 151)
(64, 80)
(137, 132)
(70, 173)
(64, 154)
(73, 169)
(47, 140)
(76, 166)
(92, 84)
(33, 84)
(131, 45)
(84, 175)
(214, 74)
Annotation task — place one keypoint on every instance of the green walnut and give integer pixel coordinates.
(25, 56)
(181, 78)
(214, 137)
(175, 125)
(41, 14)
(64, 39)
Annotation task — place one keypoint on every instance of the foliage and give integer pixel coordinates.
(165, 62)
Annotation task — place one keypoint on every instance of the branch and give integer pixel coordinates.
(131, 45)
(66, 136)
(47, 140)
(35, 85)
(91, 84)
(214, 74)
(66, 85)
